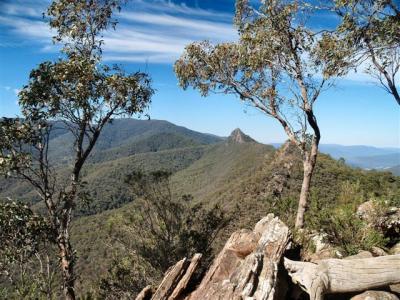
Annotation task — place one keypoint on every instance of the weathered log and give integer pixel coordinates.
(343, 276)
(375, 295)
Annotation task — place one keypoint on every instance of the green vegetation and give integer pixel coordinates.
(26, 270)
(367, 35)
(160, 229)
(127, 198)
(243, 179)
(85, 94)
(136, 144)
(248, 180)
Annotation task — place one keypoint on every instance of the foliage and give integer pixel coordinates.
(275, 67)
(85, 95)
(126, 277)
(22, 231)
(24, 254)
(162, 229)
(344, 228)
(368, 36)
(234, 175)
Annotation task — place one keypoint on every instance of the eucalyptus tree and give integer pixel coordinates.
(275, 66)
(368, 38)
(85, 95)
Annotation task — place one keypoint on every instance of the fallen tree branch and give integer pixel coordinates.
(343, 276)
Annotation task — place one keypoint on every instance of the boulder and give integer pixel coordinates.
(376, 251)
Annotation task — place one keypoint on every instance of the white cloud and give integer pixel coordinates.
(21, 9)
(172, 8)
(184, 25)
(27, 28)
(153, 31)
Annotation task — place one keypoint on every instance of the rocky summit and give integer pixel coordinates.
(237, 136)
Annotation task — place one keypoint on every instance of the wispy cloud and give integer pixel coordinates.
(167, 6)
(27, 28)
(152, 31)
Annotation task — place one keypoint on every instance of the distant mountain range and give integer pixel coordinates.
(365, 157)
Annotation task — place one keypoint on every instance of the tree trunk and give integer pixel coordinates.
(67, 268)
(331, 276)
(308, 169)
(309, 162)
(67, 255)
(395, 93)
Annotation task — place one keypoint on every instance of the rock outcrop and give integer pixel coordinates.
(250, 267)
(246, 268)
(237, 136)
(388, 221)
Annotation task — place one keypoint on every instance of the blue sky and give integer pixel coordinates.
(152, 34)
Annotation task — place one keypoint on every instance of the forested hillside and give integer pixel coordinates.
(125, 145)
(247, 179)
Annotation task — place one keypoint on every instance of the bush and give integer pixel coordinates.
(351, 234)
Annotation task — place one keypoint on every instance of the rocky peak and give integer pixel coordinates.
(237, 136)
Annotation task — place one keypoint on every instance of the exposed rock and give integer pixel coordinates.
(375, 295)
(388, 221)
(366, 211)
(145, 294)
(361, 254)
(247, 266)
(183, 283)
(175, 281)
(319, 242)
(237, 136)
(323, 254)
(171, 279)
(376, 251)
